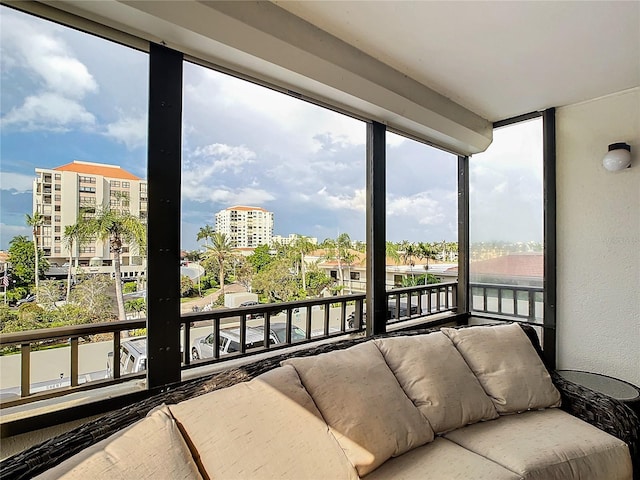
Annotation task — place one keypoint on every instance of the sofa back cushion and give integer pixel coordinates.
(150, 448)
(437, 379)
(263, 429)
(361, 400)
(507, 366)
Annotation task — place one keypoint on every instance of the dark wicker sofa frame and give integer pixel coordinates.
(606, 413)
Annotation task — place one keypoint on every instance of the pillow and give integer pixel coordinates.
(507, 366)
(361, 400)
(264, 429)
(150, 448)
(437, 380)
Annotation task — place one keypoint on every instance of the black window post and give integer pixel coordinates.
(463, 290)
(163, 235)
(549, 172)
(376, 229)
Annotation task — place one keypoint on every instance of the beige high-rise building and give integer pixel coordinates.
(59, 193)
(247, 227)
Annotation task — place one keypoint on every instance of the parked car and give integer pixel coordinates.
(133, 357)
(252, 303)
(28, 299)
(279, 330)
(229, 342)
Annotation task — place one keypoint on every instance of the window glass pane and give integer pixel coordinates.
(276, 176)
(422, 221)
(506, 223)
(74, 110)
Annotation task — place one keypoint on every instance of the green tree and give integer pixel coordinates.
(92, 292)
(260, 257)
(338, 250)
(205, 233)
(318, 280)
(277, 283)
(186, 286)
(245, 272)
(220, 252)
(116, 228)
(49, 292)
(426, 251)
(35, 221)
(23, 260)
(72, 236)
(302, 246)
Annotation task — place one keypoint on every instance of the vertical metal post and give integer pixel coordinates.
(549, 172)
(164, 178)
(376, 229)
(25, 370)
(463, 290)
(74, 361)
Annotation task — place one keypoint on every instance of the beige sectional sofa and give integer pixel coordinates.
(472, 403)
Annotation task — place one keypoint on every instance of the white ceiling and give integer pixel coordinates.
(498, 59)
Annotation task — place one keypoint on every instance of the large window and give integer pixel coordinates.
(74, 109)
(272, 197)
(506, 229)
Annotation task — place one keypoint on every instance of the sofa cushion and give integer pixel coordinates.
(150, 448)
(361, 400)
(548, 445)
(507, 366)
(438, 460)
(263, 429)
(437, 379)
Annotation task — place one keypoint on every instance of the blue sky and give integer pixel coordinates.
(69, 96)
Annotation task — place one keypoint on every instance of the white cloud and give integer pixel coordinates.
(37, 46)
(219, 158)
(63, 80)
(207, 167)
(419, 207)
(16, 182)
(49, 111)
(132, 131)
(341, 201)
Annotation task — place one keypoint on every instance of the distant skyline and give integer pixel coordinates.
(67, 96)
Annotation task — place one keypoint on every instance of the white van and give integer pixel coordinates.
(133, 357)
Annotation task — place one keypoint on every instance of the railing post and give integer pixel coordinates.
(25, 372)
(74, 361)
(116, 355)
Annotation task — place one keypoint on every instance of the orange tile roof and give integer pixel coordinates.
(513, 265)
(109, 171)
(246, 209)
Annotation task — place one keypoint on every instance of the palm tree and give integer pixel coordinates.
(303, 246)
(426, 251)
(116, 228)
(71, 237)
(220, 251)
(205, 233)
(34, 221)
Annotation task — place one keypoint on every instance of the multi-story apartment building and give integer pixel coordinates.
(292, 239)
(247, 227)
(59, 193)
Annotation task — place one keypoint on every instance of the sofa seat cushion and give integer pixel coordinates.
(437, 379)
(150, 448)
(441, 460)
(547, 445)
(507, 366)
(363, 403)
(263, 429)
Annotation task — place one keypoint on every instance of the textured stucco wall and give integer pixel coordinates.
(598, 232)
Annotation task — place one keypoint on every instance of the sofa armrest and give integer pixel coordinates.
(603, 412)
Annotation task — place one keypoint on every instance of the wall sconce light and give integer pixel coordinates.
(618, 157)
